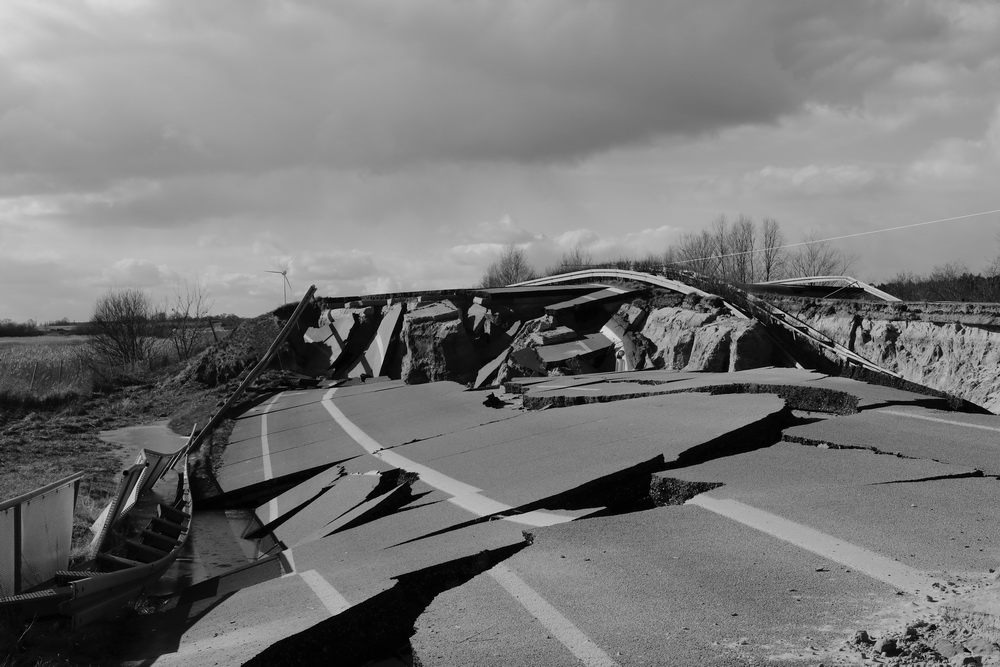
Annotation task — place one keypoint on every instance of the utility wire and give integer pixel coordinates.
(836, 238)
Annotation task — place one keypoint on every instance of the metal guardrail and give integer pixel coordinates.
(36, 530)
(92, 597)
(87, 595)
(737, 300)
(256, 370)
(843, 281)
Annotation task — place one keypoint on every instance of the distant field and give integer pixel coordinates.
(49, 339)
(43, 365)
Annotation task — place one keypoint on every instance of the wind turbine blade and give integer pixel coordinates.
(289, 285)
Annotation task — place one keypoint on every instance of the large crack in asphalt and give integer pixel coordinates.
(796, 397)
(381, 626)
(639, 487)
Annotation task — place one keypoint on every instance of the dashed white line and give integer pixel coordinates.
(873, 564)
(899, 413)
(464, 495)
(562, 628)
(272, 506)
(327, 594)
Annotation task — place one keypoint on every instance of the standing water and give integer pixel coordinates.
(215, 543)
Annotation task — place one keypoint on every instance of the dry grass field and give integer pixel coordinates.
(43, 367)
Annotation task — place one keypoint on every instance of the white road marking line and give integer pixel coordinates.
(272, 506)
(857, 558)
(938, 419)
(381, 348)
(464, 495)
(562, 628)
(327, 594)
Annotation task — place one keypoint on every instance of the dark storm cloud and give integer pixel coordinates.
(161, 88)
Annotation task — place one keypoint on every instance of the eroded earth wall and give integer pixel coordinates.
(953, 347)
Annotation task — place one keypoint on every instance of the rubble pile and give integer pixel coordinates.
(482, 338)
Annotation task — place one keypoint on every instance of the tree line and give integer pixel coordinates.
(736, 251)
(949, 282)
(740, 251)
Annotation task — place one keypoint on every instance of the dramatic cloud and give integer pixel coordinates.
(410, 141)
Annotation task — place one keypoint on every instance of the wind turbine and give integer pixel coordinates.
(284, 274)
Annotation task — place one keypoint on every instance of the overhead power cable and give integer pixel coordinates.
(837, 238)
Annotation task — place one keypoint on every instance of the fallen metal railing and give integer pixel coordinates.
(256, 370)
(36, 529)
(118, 574)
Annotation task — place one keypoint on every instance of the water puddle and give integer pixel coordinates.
(215, 543)
(156, 436)
(215, 546)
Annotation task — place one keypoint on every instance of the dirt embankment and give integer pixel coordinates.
(953, 347)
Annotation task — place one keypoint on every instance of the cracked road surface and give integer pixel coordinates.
(419, 523)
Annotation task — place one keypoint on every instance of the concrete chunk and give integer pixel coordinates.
(439, 311)
(346, 494)
(551, 355)
(489, 371)
(553, 336)
(297, 497)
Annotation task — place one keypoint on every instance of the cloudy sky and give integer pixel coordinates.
(395, 145)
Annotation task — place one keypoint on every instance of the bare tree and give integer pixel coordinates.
(575, 259)
(190, 305)
(121, 328)
(742, 242)
(992, 287)
(951, 282)
(511, 267)
(721, 248)
(772, 257)
(818, 258)
(695, 252)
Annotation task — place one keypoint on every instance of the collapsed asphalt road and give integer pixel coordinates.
(661, 519)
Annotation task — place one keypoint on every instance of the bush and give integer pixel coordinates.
(122, 329)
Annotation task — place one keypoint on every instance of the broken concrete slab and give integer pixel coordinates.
(488, 373)
(628, 355)
(366, 303)
(630, 318)
(343, 497)
(526, 361)
(284, 505)
(475, 318)
(426, 531)
(368, 509)
(553, 336)
(560, 353)
(317, 334)
(438, 311)
(372, 362)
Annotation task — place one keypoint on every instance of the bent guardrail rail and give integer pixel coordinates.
(738, 301)
(119, 574)
(256, 370)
